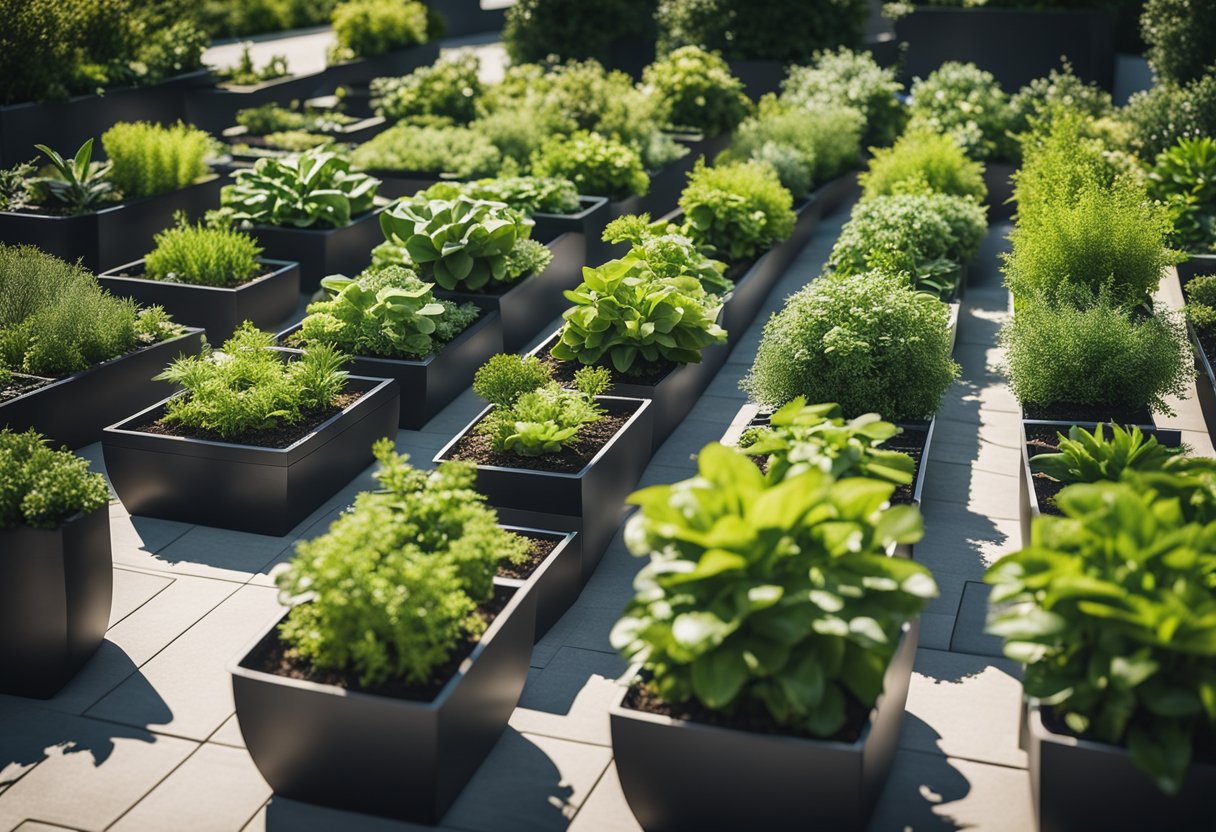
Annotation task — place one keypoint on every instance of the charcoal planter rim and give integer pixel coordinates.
(123, 272)
(239, 131)
(181, 79)
(206, 179)
(588, 205)
(314, 229)
(563, 542)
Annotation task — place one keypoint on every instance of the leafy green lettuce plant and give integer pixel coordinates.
(738, 209)
(303, 190)
(697, 90)
(770, 596)
(667, 253)
(41, 487)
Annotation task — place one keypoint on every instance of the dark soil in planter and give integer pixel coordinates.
(539, 548)
(1083, 413)
(564, 371)
(271, 655)
(473, 447)
(279, 436)
(20, 384)
(1044, 441)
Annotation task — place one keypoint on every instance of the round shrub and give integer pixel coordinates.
(907, 232)
(1160, 116)
(594, 163)
(536, 29)
(367, 28)
(777, 30)
(1181, 38)
(924, 158)
(1060, 88)
(448, 89)
(966, 103)
(737, 209)
(867, 342)
(459, 151)
(845, 78)
(697, 90)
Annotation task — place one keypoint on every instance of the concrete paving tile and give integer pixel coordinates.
(973, 614)
(569, 697)
(228, 734)
(950, 594)
(321, 525)
(726, 383)
(135, 540)
(984, 492)
(606, 810)
(216, 788)
(132, 590)
(714, 409)
(208, 552)
(283, 815)
(585, 626)
(963, 542)
(189, 675)
(999, 428)
(88, 772)
(529, 783)
(39, 826)
(963, 449)
(682, 447)
(935, 630)
(666, 474)
(456, 416)
(964, 706)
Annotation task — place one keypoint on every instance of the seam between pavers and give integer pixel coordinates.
(154, 787)
(591, 791)
(49, 823)
(146, 600)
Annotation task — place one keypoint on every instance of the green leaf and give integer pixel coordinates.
(718, 676)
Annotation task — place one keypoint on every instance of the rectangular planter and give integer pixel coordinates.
(73, 410)
(1195, 266)
(1082, 784)
(55, 591)
(244, 487)
(556, 583)
(266, 300)
(114, 235)
(1205, 383)
(429, 384)
(759, 77)
(323, 251)
(594, 497)
(467, 17)
(354, 133)
(680, 775)
(380, 755)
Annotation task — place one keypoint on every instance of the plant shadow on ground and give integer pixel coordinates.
(919, 782)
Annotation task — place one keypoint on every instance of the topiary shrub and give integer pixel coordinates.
(923, 158)
(697, 91)
(845, 78)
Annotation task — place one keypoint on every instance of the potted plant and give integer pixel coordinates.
(106, 213)
(1182, 178)
(309, 207)
(541, 449)
(391, 325)
(1118, 726)
(619, 34)
(209, 276)
(410, 157)
(921, 160)
(76, 358)
(395, 669)
(254, 442)
(766, 646)
(57, 578)
(848, 78)
(1200, 309)
(697, 93)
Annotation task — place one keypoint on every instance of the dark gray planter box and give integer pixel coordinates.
(1196, 265)
(429, 384)
(759, 77)
(73, 410)
(266, 300)
(1205, 384)
(556, 582)
(1082, 784)
(680, 776)
(392, 757)
(244, 487)
(593, 497)
(998, 176)
(114, 235)
(354, 133)
(55, 591)
(323, 251)
(831, 196)
(467, 17)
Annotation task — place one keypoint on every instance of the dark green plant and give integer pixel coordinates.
(1184, 178)
(367, 28)
(388, 313)
(78, 186)
(667, 253)
(1110, 608)
(449, 89)
(920, 157)
(779, 30)
(595, 164)
(244, 73)
(149, 159)
(202, 255)
(43, 488)
(237, 18)
(868, 342)
(314, 188)
(1181, 38)
(738, 210)
(391, 590)
(770, 598)
(536, 29)
(1201, 302)
(455, 151)
(966, 103)
(15, 189)
(1160, 116)
(844, 78)
(697, 91)
(527, 194)
(1093, 457)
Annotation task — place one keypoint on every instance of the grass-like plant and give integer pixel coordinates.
(150, 159)
(845, 78)
(41, 487)
(595, 164)
(922, 158)
(1104, 455)
(1060, 157)
(458, 151)
(966, 103)
(315, 187)
(448, 90)
(367, 28)
(697, 90)
(203, 255)
(737, 209)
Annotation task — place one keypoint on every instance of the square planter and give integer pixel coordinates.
(556, 583)
(381, 755)
(114, 235)
(1082, 784)
(323, 251)
(588, 221)
(245, 487)
(55, 591)
(681, 776)
(593, 497)
(266, 300)
(73, 410)
(429, 384)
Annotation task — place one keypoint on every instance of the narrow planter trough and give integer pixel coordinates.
(353, 133)
(114, 235)
(55, 591)
(468, 17)
(73, 410)
(681, 776)
(378, 754)
(323, 251)
(1205, 383)
(1196, 265)
(1082, 784)
(245, 487)
(834, 195)
(556, 582)
(266, 300)
(429, 384)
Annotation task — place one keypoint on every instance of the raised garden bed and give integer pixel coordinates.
(1204, 346)
(323, 251)
(556, 581)
(468, 17)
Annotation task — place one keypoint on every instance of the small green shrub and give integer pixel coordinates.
(921, 157)
(1201, 302)
(844, 78)
(966, 103)
(367, 28)
(1160, 116)
(148, 159)
(245, 74)
(1184, 178)
(391, 590)
(1058, 162)
(1097, 356)
(698, 91)
(665, 253)
(42, 488)
(515, 133)
(315, 187)
(527, 194)
(1059, 89)
(203, 256)
(236, 18)
(867, 342)
(738, 209)
(595, 164)
(770, 597)
(449, 89)
(457, 151)
(1181, 38)
(275, 118)
(536, 29)
(779, 30)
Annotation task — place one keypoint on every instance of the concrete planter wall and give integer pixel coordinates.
(323, 251)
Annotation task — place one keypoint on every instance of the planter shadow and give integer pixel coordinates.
(556, 583)
(998, 178)
(323, 251)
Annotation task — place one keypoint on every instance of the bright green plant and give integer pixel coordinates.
(78, 186)
(845, 78)
(536, 29)
(457, 151)
(527, 194)
(868, 342)
(245, 387)
(367, 28)
(314, 188)
(738, 209)
(770, 596)
(920, 157)
(533, 415)
(1184, 178)
(389, 313)
(42, 488)
(203, 255)
(697, 90)
(297, 141)
(515, 133)
(667, 253)
(391, 590)
(967, 104)
(775, 30)
(595, 164)
(275, 118)
(1060, 158)
(1201, 302)
(1110, 608)
(245, 73)
(149, 159)
(1059, 90)
(15, 186)
(1179, 37)
(1167, 112)
(449, 89)
(1092, 457)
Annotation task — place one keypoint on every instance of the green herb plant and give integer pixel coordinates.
(922, 158)
(203, 255)
(42, 488)
(1184, 178)
(1158, 117)
(1201, 302)
(967, 104)
(1093, 457)
(275, 118)
(595, 164)
(456, 151)
(527, 194)
(667, 253)
(314, 188)
(78, 186)
(150, 159)
(844, 78)
(697, 91)
(447, 90)
(737, 210)
(244, 73)
(367, 28)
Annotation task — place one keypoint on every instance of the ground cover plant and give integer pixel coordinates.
(41, 487)
(313, 188)
(203, 255)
